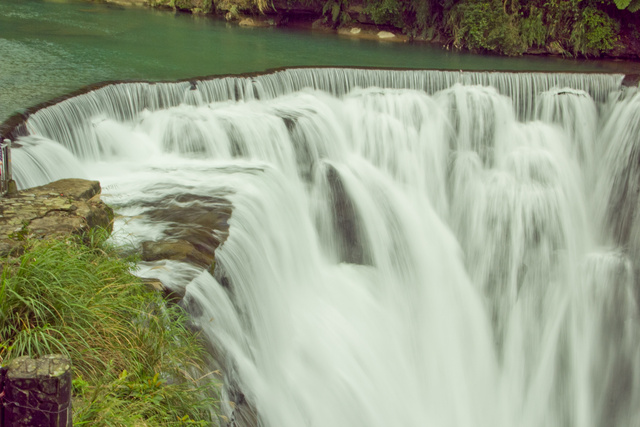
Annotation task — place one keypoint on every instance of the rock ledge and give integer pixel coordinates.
(65, 207)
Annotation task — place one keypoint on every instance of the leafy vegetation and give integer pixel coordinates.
(135, 361)
(631, 5)
(386, 12)
(575, 27)
(511, 27)
(334, 12)
(485, 26)
(596, 32)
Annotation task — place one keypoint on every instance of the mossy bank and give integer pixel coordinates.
(64, 289)
(573, 28)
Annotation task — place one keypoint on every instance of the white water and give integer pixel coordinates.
(396, 257)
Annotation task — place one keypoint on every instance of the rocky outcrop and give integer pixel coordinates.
(197, 226)
(65, 207)
(177, 250)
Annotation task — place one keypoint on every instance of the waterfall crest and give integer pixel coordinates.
(414, 248)
(70, 121)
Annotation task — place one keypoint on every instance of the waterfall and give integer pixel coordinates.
(406, 248)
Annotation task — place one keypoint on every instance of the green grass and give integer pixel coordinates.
(135, 361)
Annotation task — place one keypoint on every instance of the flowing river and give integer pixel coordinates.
(406, 248)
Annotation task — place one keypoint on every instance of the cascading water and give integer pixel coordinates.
(407, 248)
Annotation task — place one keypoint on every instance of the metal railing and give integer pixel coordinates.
(5, 166)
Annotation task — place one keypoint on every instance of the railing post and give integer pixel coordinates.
(7, 184)
(8, 160)
(3, 171)
(37, 392)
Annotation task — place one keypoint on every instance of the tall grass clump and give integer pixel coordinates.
(135, 361)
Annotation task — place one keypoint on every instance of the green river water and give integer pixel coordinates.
(51, 47)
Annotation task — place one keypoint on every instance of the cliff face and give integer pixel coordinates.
(65, 207)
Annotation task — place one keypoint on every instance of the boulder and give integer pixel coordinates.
(385, 35)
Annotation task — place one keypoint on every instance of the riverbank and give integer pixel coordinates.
(74, 48)
(566, 29)
(64, 289)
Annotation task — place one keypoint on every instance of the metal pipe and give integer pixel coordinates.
(8, 160)
(5, 166)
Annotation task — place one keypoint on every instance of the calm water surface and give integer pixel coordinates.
(51, 47)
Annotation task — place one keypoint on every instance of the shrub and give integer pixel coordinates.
(385, 12)
(484, 25)
(532, 28)
(595, 33)
(334, 12)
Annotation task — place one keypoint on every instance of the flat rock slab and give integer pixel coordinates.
(64, 207)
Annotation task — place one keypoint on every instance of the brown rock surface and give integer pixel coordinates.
(197, 225)
(68, 206)
(178, 250)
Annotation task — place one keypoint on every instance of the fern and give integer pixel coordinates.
(622, 4)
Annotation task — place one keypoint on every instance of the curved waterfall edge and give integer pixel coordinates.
(15, 125)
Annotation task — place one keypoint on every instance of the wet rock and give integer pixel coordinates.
(153, 284)
(200, 220)
(177, 250)
(156, 285)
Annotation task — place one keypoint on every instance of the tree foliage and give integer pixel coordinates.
(630, 5)
(574, 27)
(511, 27)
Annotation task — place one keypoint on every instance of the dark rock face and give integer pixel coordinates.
(65, 207)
